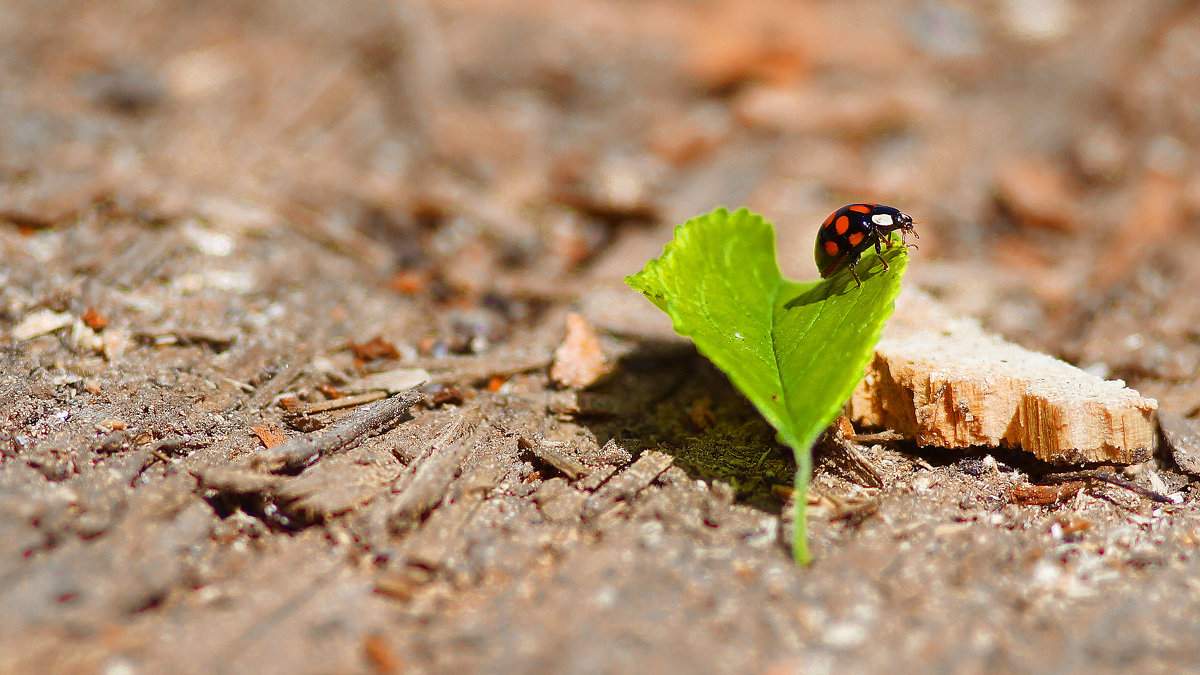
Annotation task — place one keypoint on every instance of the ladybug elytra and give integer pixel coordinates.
(853, 229)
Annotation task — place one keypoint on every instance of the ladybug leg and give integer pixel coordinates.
(854, 261)
(879, 249)
(851, 259)
(854, 274)
(886, 237)
(903, 238)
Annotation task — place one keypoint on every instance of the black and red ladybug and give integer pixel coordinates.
(854, 228)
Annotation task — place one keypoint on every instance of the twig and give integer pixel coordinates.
(1044, 495)
(339, 403)
(1111, 479)
(303, 450)
(879, 437)
(428, 482)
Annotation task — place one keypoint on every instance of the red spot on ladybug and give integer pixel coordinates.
(848, 232)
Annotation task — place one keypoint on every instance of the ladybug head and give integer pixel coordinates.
(890, 219)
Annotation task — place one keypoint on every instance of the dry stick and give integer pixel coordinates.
(302, 450)
(339, 403)
(1111, 479)
(428, 483)
(880, 437)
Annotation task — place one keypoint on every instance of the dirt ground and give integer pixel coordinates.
(219, 221)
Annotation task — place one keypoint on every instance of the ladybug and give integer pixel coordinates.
(854, 228)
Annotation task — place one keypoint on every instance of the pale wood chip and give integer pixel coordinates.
(945, 382)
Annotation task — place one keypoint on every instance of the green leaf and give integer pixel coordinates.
(796, 350)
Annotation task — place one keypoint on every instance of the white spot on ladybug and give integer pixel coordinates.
(881, 219)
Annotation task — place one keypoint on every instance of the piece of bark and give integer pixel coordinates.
(1038, 192)
(49, 198)
(238, 480)
(1043, 495)
(219, 339)
(438, 539)
(623, 487)
(839, 449)
(335, 487)
(269, 435)
(568, 466)
(558, 502)
(151, 550)
(421, 490)
(945, 382)
(599, 476)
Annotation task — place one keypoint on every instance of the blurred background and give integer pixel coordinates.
(537, 150)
